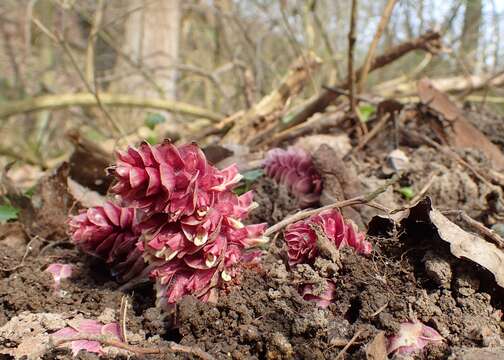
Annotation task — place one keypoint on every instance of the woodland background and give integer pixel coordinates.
(221, 56)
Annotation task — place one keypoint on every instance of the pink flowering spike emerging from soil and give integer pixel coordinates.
(323, 299)
(294, 168)
(182, 223)
(301, 242)
(412, 337)
(164, 178)
(342, 232)
(59, 272)
(176, 280)
(109, 232)
(301, 237)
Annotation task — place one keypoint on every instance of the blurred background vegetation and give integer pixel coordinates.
(207, 59)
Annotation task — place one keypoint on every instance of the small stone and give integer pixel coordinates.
(398, 160)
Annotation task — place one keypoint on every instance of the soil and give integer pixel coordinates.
(410, 274)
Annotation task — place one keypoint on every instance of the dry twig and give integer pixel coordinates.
(93, 90)
(303, 214)
(424, 189)
(430, 42)
(448, 152)
(374, 43)
(352, 340)
(122, 318)
(369, 135)
(351, 45)
(47, 102)
(171, 348)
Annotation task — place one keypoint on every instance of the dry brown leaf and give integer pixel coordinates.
(457, 130)
(470, 246)
(462, 243)
(377, 348)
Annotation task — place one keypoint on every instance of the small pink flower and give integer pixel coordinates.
(412, 337)
(59, 272)
(323, 299)
(301, 242)
(88, 327)
(301, 237)
(294, 168)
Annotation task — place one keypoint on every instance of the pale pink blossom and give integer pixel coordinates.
(87, 328)
(59, 272)
(412, 337)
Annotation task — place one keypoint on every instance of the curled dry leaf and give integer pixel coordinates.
(462, 243)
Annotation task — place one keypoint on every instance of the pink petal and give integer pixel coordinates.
(113, 212)
(111, 329)
(90, 346)
(412, 337)
(59, 272)
(65, 332)
(137, 177)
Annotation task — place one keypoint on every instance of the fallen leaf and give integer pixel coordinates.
(457, 130)
(470, 246)
(377, 348)
(463, 245)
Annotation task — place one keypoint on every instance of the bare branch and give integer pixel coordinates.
(374, 43)
(52, 102)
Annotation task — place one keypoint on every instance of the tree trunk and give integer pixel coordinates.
(471, 33)
(152, 42)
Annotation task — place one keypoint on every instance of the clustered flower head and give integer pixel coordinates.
(301, 237)
(294, 169)
(112, 233)
(181, 216)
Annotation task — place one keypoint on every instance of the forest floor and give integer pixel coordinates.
(412, 271)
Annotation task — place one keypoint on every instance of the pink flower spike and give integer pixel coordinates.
(301, 237)
(412, 337)
(294, 169)
(175, 218)
(59, 272)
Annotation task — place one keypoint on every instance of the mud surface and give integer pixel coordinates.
(265, 317)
